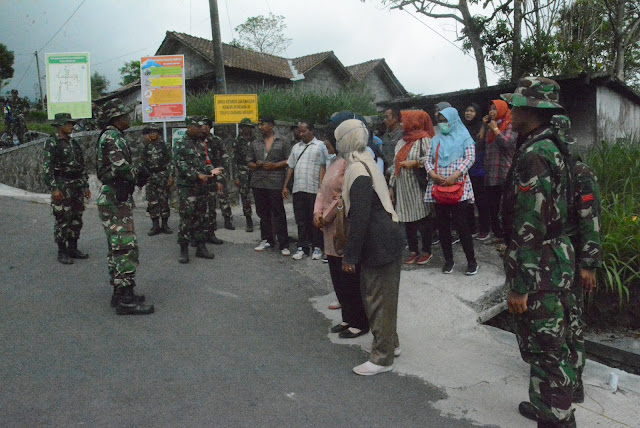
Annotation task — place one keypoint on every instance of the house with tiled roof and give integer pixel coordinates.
(246, 71)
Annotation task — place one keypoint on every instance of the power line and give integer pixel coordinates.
(449, 41)
(25, 72)
(228, 17)
(65, 23)
(118, 57)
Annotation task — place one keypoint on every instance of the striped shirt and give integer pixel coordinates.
(461, 164)
(409, 197)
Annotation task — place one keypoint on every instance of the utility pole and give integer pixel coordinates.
(221, 81)
(39, 81)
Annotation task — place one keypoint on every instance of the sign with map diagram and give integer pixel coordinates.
(68, 84)
(162, 85)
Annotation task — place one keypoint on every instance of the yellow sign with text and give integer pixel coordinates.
(234, 108)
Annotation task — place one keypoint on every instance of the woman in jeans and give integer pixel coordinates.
(451, 155)
(410, 153)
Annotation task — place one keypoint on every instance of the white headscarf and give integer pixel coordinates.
(352, 137)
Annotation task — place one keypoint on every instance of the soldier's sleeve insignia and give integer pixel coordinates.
(587, 198)
(524, 188)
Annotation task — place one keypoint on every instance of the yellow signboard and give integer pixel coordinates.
(234, 108)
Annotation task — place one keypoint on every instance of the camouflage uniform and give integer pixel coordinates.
(540, 259)
(64, 169)
(156, 160)
(190, 159)
(219, 158)
(17, 125)
(240, 151)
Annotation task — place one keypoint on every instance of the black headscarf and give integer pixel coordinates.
(474, 126)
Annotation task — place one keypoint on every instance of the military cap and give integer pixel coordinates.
(246, 122)
(114, 108)
(149, 128)
(62, 118)
(536, 92)
(195, 120)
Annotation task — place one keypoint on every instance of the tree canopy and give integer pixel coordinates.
(263, 34)
(6, 64)
(99, 85)
(130, 72)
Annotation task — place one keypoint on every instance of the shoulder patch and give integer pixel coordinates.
(587, 198)
(524, 188)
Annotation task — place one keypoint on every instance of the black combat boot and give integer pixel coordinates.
(202, 251)
(213, 239)
(578, 394)
(73, 251)
(228, 225)
(115, 296)
(155, 229)
(63, 256)
(184, 253)
(249, 227)
(527, 410)
(128, 303)
(165, 227)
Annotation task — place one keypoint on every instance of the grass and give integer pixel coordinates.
(296, 104)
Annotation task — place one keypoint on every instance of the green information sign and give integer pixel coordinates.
(68, 84)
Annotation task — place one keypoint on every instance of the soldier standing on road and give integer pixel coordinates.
(539, 261)
(118, 175)
(193, 173)
(156, 161)
(240, 151)
(18, 124)
(66, 178)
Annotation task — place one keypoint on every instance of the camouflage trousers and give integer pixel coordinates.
(193, 205)
(68, 211)
(542, 337)
(575, 332)
(245, 194)
(17, 126)
(158, 193)
(122, 244)
(214, 198)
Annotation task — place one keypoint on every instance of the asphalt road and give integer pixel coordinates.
(234, 340)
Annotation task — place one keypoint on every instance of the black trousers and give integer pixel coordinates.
(425, 228)
(308, 235)
(347, 288)
(270, 209)
(482, 204)
(494, 196)
(456, 215)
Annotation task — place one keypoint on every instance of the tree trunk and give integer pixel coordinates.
(473, 33)
(516, 71)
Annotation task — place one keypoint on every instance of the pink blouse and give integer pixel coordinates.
(327, 201)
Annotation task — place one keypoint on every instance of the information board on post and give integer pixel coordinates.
(68, 84)
(178, 135)
(234, 108)
(162, 85)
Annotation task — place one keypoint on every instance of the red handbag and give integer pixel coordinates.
(447, 195)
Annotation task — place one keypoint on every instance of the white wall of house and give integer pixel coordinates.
(618, 116)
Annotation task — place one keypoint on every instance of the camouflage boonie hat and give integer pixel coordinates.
(246, 122)
(536, 92)
(152, 127)
(62, 118)
(195, 120)
(114, 108)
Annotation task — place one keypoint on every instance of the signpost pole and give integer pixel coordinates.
(164, 130)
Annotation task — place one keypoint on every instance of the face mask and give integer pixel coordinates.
(444, 128)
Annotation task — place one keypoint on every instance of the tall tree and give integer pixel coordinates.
(99, 85)
(6, 64)
(130, 72)
(624, 20)
(263, 34)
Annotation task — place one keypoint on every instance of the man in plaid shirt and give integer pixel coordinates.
(307, 164)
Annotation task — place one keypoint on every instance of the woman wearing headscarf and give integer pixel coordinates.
(375, 241)
(500, 145)
(345, 284)
(473, 121)
(451, 155)
(410, 154)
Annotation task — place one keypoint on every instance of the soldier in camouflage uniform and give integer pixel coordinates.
(540, 260)
(156, 162)
(193, 172)
(66, 178)
(243, 178)
(218, 192)
(17, 125)
(119, 176)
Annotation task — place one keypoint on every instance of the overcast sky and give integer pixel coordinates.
(116, 31)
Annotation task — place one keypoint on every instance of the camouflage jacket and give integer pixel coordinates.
(113, 157)
(240, 152)
(190, 160)
(16, 107)
(584, 230)
(63, 161)
(218, 155)
(156, 157)
(539, 253)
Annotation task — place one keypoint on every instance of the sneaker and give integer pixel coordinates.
(424, 259)
(325, 258)
(448, 267)
(299, 254)
(411, 259)
(455, 240)
(335, 305)
(435, 241)
(264, 245)
(367, 349)
(483, 236)
(285, 252)
(370, 369)
(317, 254)
(472, 268)
(474, 235)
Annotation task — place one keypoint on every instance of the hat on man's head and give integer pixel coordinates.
(150, 128)
(62, 118)
(195, 120)
(14, 91)
(114, 108)
(246, 122)
(267, 119)
(536, 92)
